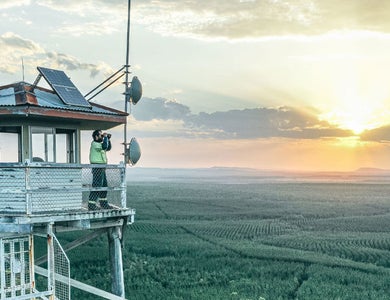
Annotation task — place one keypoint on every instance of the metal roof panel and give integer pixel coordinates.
(46, 99)
(7, 96)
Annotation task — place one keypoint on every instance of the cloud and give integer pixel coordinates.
(4, 4)
(254, 123)
(75, 18)
(99, 18)
(94, 17)
(85, 7)
(60, 60)
(230, 19)
(14, 48)
(378, 134)
(214, 19)
(264, 123)
(254, 19)
(158, 128)
(160, 108)
(105, 27)
(11, 41)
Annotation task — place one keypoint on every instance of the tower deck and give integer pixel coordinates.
(41, 199)
(34, 194)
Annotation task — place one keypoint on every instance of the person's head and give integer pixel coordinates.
(97, 135)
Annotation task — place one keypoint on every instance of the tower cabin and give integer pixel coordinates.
(44, 188)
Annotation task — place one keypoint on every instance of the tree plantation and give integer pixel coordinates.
(285, 240)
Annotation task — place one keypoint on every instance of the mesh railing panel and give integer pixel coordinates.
(16, 278)
(54, 189)
(38, 188)
(61, 268)
(102, 183)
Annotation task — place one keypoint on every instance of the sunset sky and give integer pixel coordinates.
(267, 84)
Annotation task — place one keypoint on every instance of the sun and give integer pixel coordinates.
(355, 118)
(356, 107)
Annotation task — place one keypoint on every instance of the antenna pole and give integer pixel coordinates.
(22, 69)
(127, 77)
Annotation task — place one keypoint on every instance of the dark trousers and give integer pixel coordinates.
(99, 179)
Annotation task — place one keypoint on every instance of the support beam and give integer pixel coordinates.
(79, 285)
(116, 264)
(82, 240)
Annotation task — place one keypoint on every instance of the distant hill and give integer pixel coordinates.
(248, 175)
(372, 170)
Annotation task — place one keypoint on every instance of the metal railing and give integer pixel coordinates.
(36, 188)
(16, 274)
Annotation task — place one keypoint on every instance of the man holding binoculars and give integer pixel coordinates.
(97, 155)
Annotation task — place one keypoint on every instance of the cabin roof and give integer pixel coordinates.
(21, 100)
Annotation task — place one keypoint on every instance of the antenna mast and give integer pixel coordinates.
(22, 69)
(127, 77)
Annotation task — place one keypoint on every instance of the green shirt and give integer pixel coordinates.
(97, 151)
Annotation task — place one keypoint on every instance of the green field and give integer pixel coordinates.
(249, 241)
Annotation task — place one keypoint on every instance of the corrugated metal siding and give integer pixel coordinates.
(7, 96)
(48, 99)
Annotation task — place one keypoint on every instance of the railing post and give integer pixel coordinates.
(31, 261)
(2, 268)
(28, 188)
(50, 262)
(122, 168)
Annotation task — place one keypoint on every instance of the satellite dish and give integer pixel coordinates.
(133, 152)
(134, 92)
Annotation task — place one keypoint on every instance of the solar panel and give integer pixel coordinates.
(64, 87)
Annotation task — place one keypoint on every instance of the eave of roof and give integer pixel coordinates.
(21, 100)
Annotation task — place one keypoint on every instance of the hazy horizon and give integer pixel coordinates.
(248, 175)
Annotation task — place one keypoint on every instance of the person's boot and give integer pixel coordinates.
(92, 205)
(104, 204)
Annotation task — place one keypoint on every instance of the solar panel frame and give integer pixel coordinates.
(64, 87)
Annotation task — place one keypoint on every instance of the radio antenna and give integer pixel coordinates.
(133, 93)
(22, 70)
(127, 76)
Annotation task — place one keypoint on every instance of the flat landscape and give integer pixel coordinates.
(200, 239)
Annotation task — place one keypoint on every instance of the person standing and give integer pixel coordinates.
(97, 155)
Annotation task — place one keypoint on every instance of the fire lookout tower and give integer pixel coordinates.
(44, 188)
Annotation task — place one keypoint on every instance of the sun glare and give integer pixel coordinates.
(354, 118)
(357, 105)
(349, 142)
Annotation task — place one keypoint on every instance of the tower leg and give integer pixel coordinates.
(116, 264)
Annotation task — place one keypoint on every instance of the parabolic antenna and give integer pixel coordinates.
(134, 92)
(133, 152)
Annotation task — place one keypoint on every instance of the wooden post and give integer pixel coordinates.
(116, 264)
